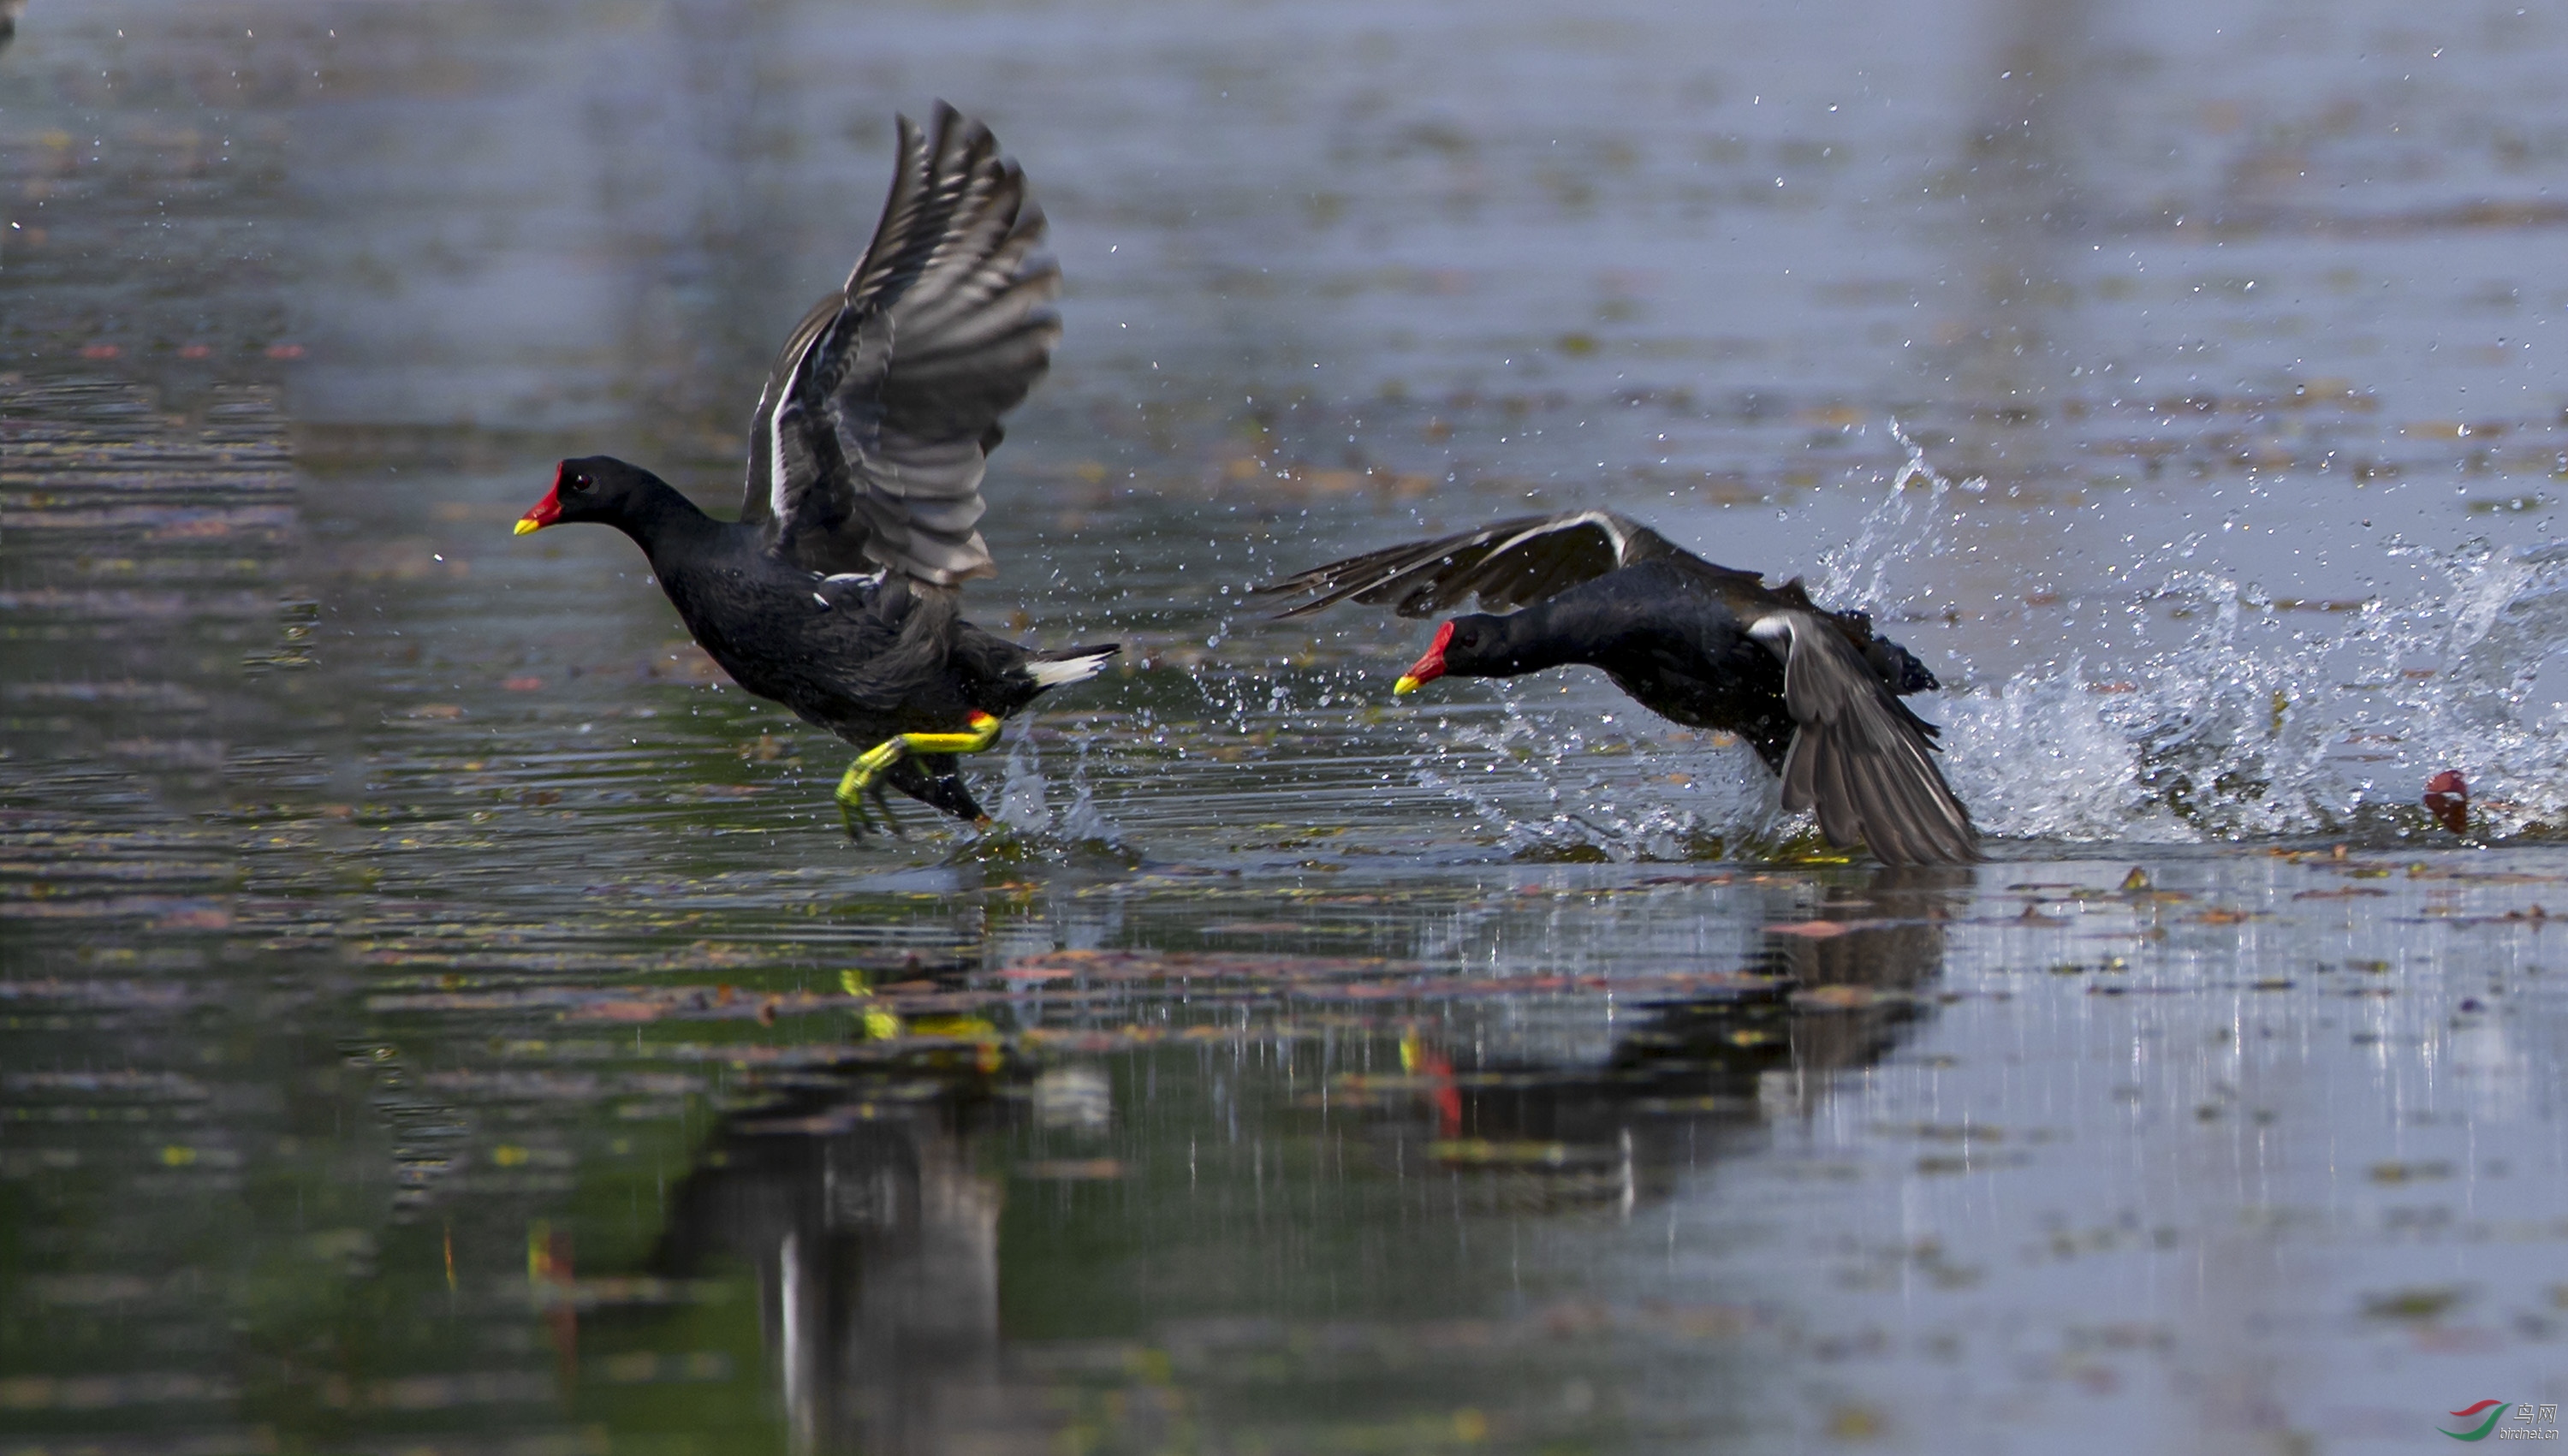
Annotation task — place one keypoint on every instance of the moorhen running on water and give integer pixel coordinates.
(1813, 690)
(836, 592)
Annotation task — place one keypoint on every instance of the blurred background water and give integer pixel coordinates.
(438, 1012)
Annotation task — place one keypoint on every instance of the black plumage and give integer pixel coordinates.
(1814, 692)
(836, 592)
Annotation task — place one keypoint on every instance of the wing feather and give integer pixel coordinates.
(874, 429)
(1859, 757)
(1506, 565)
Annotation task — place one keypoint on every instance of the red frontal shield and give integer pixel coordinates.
(1428, 668)
(548, 510)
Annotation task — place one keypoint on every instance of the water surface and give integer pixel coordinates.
(439, 1014)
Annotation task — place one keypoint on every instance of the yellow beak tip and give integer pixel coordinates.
(527, 523)
(1404, 687)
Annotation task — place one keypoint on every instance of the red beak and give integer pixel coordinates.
(548, 510)
(1427, 669)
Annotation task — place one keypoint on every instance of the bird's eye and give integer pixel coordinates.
(577, 481)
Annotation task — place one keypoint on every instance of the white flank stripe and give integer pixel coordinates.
(1614, 533)
(776, 462)
(1604, 523)
(775, 429)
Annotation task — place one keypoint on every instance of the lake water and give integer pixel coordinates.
(438, 1013)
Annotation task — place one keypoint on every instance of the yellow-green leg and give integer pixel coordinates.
(863, 778)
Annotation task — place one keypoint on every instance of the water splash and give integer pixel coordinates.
(1028, 825)
(1083, 822)
(1910, 523)
(2195, 708)
(1021, 802)
(1558, 782)
(2266, 718)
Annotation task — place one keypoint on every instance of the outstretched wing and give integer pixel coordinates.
(877, 420)
(1858, 755)
(1506, 565)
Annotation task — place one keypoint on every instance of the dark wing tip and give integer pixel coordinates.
(1860, 760)
(874, 432)
(1505, 564)
(1892, 800)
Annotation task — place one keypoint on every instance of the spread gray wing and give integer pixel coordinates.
(1858, 755)
(878, 418)
(1506, 565)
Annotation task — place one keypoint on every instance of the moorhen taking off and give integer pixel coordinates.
(836, 592)
(1813, 690)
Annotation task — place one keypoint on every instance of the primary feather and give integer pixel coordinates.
(872, 432)
(837, 590)
(1814, 692)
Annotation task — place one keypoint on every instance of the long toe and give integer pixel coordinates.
(883, 806)
(865, 811)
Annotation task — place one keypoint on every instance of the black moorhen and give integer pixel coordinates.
(836, 592)
(1708, 645)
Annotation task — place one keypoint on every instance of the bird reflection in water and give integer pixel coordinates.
(860, 1202)
(1846, 985)
(875, 1242)
(1859, 991)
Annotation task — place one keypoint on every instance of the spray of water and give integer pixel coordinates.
(2229, 715)
(2185, 706)
(1028, 823)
